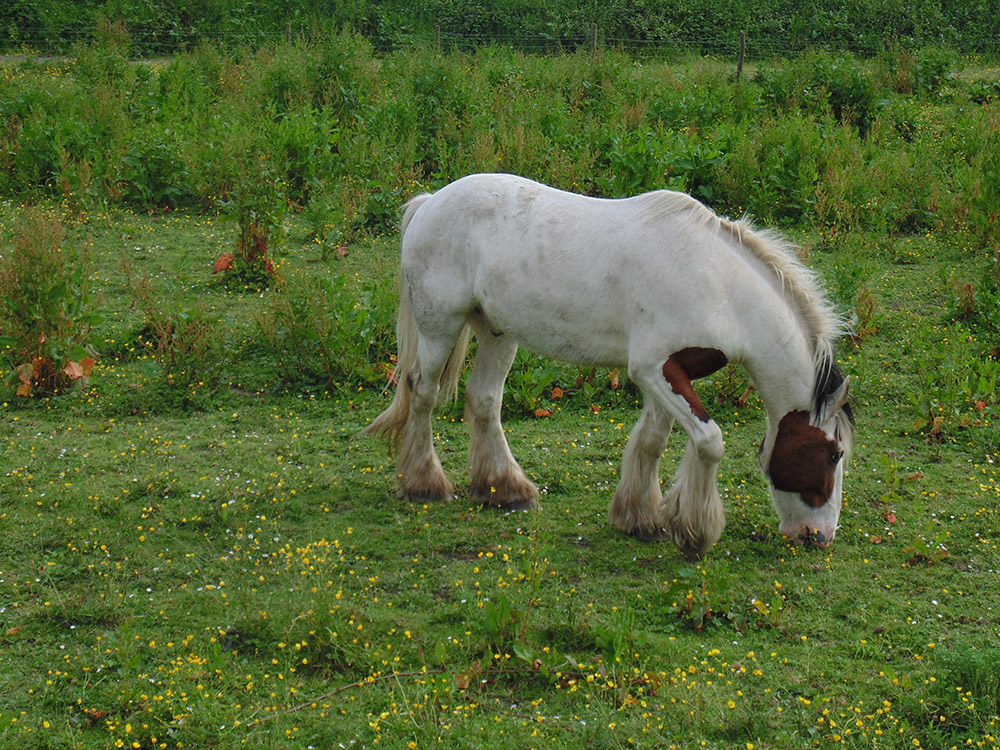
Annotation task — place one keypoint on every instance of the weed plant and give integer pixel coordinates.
(323, 332)
(47, 311)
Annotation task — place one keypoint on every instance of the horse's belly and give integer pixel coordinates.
(560, 332)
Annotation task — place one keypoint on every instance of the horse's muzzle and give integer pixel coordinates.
(809, 536)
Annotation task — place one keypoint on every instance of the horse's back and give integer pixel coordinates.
(523, 225)
(569, 276)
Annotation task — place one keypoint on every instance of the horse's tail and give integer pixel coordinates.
(389, 425)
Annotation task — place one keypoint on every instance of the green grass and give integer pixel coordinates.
(228, 566)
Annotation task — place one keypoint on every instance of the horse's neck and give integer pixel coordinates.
(783, 371)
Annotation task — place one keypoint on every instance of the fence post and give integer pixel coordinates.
(437, 37)
(739, 60)
(288, 32)
(593, 40)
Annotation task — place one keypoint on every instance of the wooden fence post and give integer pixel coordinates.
(288, 32)
(593, 40)
(739, 60)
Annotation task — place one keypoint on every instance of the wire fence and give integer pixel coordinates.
(727, 44)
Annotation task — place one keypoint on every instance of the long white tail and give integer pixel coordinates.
(390, 424)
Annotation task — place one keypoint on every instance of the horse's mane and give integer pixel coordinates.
(775, 252)
(821, 318)
(796, 281)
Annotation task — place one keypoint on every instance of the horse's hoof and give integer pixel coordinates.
(510, 495)
(492, 500)
(425, 496)
(655, 534)
(692, 549)
(514, 505)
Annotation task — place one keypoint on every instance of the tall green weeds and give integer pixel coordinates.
(325, 332)
(879, 144)
(47, 312)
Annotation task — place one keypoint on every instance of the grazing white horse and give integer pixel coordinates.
(657, 282)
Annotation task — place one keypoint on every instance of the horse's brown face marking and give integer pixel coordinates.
(690, 364)
(804, 460)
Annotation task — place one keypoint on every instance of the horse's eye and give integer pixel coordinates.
(835, 457)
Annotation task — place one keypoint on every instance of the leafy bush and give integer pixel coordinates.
(46, 310)
(635, 162)
(773, 169)
(307, 142)
(984, 90)
(819, 83)
(152, 174)
(934, 69)
(259, 204)
(985, 178)
(106, 61)
(183, 346)
(976, 300)
(807, 140)
(705, 25)
(322, 332)
(957, 381)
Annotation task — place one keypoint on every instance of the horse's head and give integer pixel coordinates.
(803, 459)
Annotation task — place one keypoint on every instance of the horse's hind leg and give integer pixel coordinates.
(636, 506)
(421, 476)
(496, 477)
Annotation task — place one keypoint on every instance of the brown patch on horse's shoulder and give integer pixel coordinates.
(803, 460)
(690, 364)
(698, 362)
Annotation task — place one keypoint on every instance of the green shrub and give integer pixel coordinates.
(976, 299)
(773, 169)
(984, 175)
(306, 141)
(322, 332)
(259, 204)
(152, 173)
(344, 75)
(984, 90)
(634, 162)
(106, 61)
(182, 347)
(46, 310)
(807, 140)
(934, 70)
(819, 83)
(957, 380)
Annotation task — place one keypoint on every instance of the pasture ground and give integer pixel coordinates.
(228, 566)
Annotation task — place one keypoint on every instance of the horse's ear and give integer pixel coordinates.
(839, 399)
(836, 401)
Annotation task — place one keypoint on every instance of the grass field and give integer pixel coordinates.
(228, 566)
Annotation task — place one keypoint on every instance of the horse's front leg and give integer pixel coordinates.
(496, 477)
(691, 509)
(636, 506)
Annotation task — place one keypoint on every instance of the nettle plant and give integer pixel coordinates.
(259, 204)
(46, 310)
